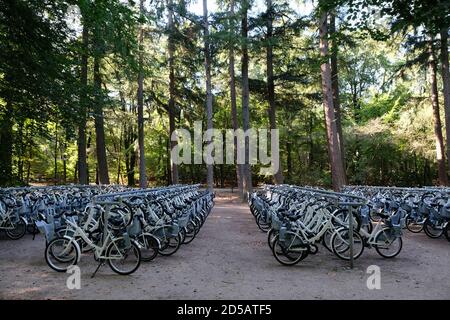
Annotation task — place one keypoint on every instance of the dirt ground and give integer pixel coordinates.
(230, 259)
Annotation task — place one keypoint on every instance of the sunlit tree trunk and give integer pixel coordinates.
(81, 141)
(442, 174)
(55, 159)
(278, 176)
(335, 84)
(6, 144)
(334, 150)
(247, 177)
(140, 106)
(100, 144)
(209, 97)
(171, 106)
(234, 102)
(446, 86)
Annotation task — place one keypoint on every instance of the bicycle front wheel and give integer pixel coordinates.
(170, 245)
(431, 230)
(447, 231)
(340, 244)
(123, 259)
(271, 235)
(61, 253)
(19, 230)
(263, 225)
(149, 247)
(190, 232)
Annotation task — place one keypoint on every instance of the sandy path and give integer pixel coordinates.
(231, 260)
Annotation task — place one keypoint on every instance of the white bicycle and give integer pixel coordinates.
(122, 253)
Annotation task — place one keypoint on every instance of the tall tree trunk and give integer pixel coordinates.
(30, 154)
(140, 107)
(446, 86)
(6, 145)
(310, 141)
(171, 106)
(289, 159)
(81, 141)
(20, 152)
(278, 176)
(100, 145)
(55, 167)
(234, 118)
(335, 84)
(442, 174)
(129, 136)
(130, 154)
(334, 150)
(209, 97)
(65, 164)
(247, 174)
(168, 166)
(119, 158)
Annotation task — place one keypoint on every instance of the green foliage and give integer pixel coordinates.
(386, 111)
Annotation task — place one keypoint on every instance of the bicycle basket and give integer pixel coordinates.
(276, 222)
(47, 229)
(396, 230)
(445, 212)
(126, 242)
(173, 230)
(183, 220)
(135, 227)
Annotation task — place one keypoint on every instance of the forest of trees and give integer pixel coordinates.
(91, 90)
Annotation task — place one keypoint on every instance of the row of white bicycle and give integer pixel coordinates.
(427, 209)
(122, 228)
(21, 207)
(296, 219)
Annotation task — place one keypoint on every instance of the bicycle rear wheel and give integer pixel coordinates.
(287, 256)
(123, 259)
(149, 247)
(387, 244)
(431, 230)
(413, 226)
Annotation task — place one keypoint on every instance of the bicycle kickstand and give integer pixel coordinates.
(98, 267)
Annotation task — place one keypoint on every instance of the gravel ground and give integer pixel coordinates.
(230, 259)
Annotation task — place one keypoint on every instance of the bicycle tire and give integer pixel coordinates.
(149, 246)
(116, 245)
(428, 227)
(338, 250)
(50, 252)
(19, 230)
(271, 234)
(290, 260)
(409, 222)
(169, 249)
(447, 231)
(378, 249)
